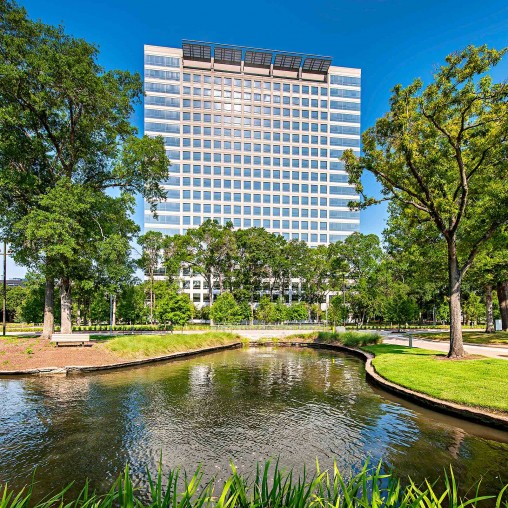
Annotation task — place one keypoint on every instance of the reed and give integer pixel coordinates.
(271, 487)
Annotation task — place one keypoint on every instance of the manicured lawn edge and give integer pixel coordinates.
(469, 413)
(118, 365)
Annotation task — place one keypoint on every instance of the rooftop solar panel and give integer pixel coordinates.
(258, 58)
(197, 51)
(320, 65)
(228, 55)
(287, 62)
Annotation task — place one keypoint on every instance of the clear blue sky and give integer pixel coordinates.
(392, 41)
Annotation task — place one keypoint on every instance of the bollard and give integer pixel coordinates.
(410, 340)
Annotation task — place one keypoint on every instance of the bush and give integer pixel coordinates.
(350, 339)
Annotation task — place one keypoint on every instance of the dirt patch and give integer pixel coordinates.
(466, 357)
(35, 353)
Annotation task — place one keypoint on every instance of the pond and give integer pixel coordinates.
(244, 405)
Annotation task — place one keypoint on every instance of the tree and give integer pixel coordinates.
(210, 251)
(151, 243)
(265, 310)
(225, 310)
(359, 258)
(131, 304)
(62, 116)
(298, 311)
(441, 155)
(174, 308)
(337, 311)
(400, 307)
(255, 248)
(70, 225)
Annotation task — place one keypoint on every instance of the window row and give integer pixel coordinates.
(219, 183)
(187, 220)
(256, 173)
(256, 110)
(344, 80)
(218, 144)
(253, 84)
(254, 122)
(168, 75)
(334, 165)
(313, 238)
(218, 94)
(258, 161)
(267, 211)
(197, 130)
(246, 197)
(162, 61)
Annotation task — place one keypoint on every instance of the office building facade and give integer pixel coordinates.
(254, 137)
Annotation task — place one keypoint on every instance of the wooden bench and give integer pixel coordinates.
(70, 339)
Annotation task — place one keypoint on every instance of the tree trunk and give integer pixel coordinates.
(49, 309)
(151, 299)
(66, 306)
(210, 294)
(455, 281)
(502, 296)
(489, 328)
(113, 321)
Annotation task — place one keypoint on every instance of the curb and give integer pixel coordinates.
(51, 371)
(451, 408)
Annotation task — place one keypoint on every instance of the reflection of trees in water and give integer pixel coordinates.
(78, 429)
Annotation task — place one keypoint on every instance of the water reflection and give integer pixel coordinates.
(240, 405)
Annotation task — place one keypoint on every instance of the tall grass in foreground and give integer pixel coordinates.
(270, 488)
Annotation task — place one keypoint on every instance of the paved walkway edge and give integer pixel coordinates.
(119, 365)
(451, 408)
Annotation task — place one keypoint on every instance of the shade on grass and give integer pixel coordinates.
(140, 346)
(478, 382)
(471, 337)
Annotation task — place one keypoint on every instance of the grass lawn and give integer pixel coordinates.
(479, 382)
(471, 337)
(141, 346)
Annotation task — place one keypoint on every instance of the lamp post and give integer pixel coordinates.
(4, 292)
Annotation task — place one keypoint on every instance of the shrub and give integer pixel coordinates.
(350, 339)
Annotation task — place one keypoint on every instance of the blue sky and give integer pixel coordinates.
(392, 41)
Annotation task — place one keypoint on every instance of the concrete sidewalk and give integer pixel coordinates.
(473, 349)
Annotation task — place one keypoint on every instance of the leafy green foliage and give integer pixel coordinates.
(225, 310)
(440, 155)
(174, 308)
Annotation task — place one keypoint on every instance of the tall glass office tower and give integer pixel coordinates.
(254, 137)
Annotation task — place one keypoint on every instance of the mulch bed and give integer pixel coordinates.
(35, 353)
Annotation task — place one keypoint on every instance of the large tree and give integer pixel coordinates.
(441, 153)
(63, 116)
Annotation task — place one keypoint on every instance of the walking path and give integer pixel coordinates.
(473, 349)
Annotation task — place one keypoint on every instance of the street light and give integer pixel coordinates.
(4, 292)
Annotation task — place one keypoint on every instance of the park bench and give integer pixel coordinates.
(70, 339)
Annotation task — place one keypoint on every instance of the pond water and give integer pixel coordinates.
(244, 405)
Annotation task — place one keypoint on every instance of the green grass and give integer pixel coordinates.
(270, 488)
(474, 382)
(142, 346)
(471, 337)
